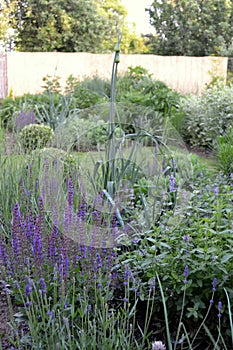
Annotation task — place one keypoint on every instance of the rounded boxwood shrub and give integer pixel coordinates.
(35, 136)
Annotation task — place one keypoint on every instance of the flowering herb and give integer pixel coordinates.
(186, 273)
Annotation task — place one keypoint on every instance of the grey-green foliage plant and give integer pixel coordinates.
(53, 108)
(207, 116)
(224, 152)
(35, 136)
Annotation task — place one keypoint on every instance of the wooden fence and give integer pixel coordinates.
(26, 70)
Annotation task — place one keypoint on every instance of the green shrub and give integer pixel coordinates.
(138, 87)
(79, 94)
(207, 116)
(35, 136)
(224, 152)
(98, 85)
(85, 98)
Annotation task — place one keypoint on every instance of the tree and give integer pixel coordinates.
(191, 27)
(115, 14)
(59, 25)
(67, 25)
(7, 32)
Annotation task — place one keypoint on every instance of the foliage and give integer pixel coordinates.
(7, 33)
(60, 26)
(179, 33)
(60, 283)
(81, 134)
(207, 116)
(138, 87)
(49, 108)
(11, 107)
(35, 136)
(84, 97)
(77, 26)
(166, 251)
(52, 107)
(54, 154)
(114, 257)
(224, 152)
(93, 84)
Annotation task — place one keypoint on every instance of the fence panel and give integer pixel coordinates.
(26, 70)
(3, 75)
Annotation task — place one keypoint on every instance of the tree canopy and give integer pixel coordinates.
(191, 27)
(67, 25)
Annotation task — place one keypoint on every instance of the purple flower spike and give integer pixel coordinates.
(24, 118)
(220, 309)
(186, 273)
(28, 288)
(152, 285)
(43, 286)
(187, 238)
(214, 284)
(172, 181)
(4, 255)
(38, 245)
(216, 190)
(28, 303)
(126, 276)
(51, 314)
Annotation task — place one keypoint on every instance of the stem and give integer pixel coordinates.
(181, 316)
(212, 298)
(230, 315)
(165, 313)
(111, 149)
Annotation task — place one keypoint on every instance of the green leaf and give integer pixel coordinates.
(226, 258)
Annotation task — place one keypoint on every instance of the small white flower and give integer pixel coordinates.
(158, 345)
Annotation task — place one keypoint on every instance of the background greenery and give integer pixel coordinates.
(192, 28)
(182, 27)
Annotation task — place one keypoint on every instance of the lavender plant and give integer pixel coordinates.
(24, 118)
